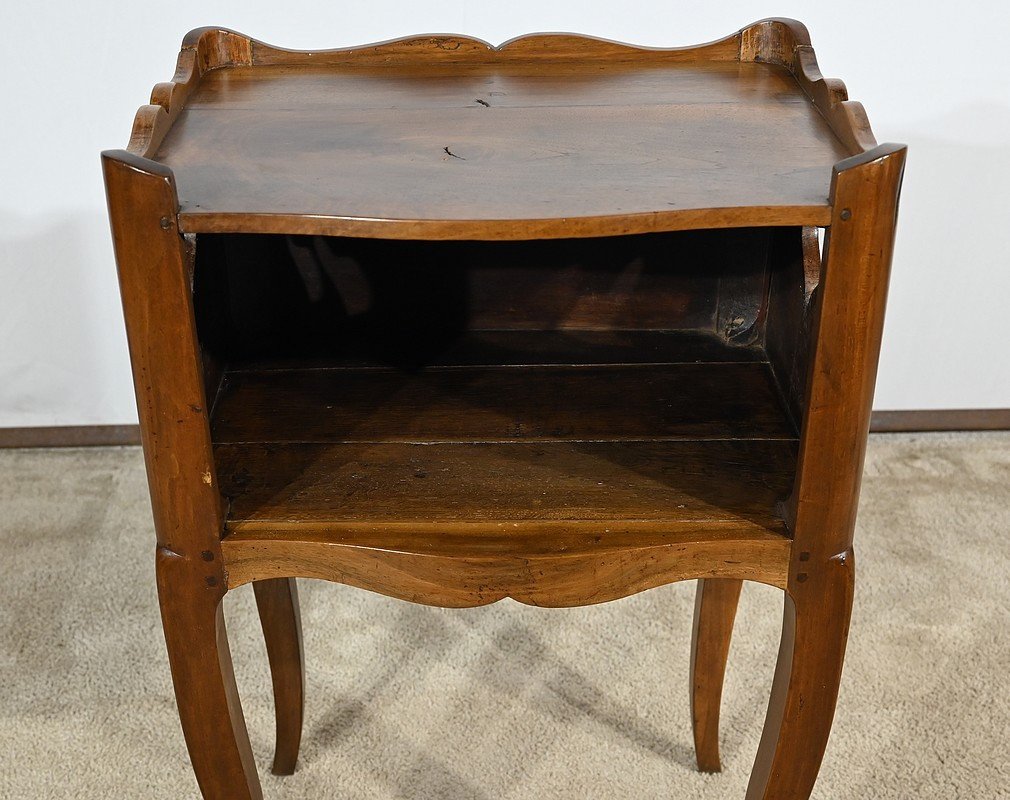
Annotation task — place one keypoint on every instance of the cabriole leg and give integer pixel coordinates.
(277, 600)
(802, 705)
(714, 611)
(208, 700)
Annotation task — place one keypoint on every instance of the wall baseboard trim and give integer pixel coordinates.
(953, 419)
(71, 436)
(967, 419)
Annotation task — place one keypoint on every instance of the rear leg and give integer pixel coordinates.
(277, 601)
(714, 612)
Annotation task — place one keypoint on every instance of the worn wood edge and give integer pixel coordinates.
(786, 42)
(154, 264)
(450, 48)
(876, 153)
(458, 580)
(846, 339)
(209, 48)
(202, 50)
(141, 164)
(506, 229)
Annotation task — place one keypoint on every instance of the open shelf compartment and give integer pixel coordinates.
(587, 445)
(508, 399)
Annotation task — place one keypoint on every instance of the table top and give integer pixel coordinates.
(545, 136)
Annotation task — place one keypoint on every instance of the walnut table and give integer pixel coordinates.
(548, 321)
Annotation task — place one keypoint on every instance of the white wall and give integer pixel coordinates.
(936, 77)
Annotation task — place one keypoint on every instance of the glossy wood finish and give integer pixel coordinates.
(411, 155)
(786, 42)
(402, 139)
(782, 42)
(822, 513)
(205, 689)
(815, 630)
(714, 612)
(555, 421)
(850, 321)
(277, 602)
(154, 269)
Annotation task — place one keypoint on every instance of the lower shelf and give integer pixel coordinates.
(555, 485)
(372, 488)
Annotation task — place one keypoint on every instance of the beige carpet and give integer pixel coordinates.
(508, 701)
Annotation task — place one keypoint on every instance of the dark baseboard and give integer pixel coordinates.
(968, 419)
(956, 419)
(71, 436)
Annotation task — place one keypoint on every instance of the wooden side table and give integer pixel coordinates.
(548, 321)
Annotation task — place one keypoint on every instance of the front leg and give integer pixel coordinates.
(814, 633)
(205, 690)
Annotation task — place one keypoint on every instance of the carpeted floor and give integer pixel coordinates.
(508, 701)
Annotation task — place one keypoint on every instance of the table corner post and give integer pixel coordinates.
(154, 262)
(847, 331)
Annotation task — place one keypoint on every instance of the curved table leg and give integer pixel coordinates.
(802, 705)
(714, 611)
(205, 690)
(277, 601)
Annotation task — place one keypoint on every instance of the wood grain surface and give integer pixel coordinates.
(412, 154)
(285, 486)
(464, 524)
(573, 574)
(502, 404)
(548, 135)
(848, 326)
(154, 264)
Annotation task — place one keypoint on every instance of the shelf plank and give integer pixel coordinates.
(502, 404)
(379, 488)
(514, 348)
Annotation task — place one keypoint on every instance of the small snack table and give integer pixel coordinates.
(548, 321)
